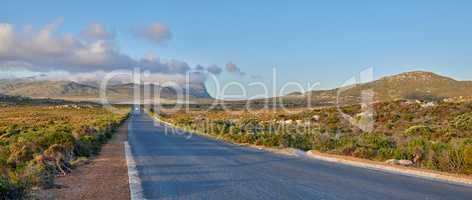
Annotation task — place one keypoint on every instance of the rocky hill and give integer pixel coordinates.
(81, 91)
(417, 85)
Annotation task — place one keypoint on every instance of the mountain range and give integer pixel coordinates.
(118, 93)
(417, 85)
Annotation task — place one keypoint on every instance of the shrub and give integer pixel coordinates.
(364, 152)
(375, 145)
(456, 158)
(419, 131)
(346, 145)
(12, 190)
(463, 122)
(40, 173)
(270, 139)
(417, 150)
(19, 152)
(250, 125)
(56, 135)
(298, 141)
(468, 154)
(324, 142)
(83, 131)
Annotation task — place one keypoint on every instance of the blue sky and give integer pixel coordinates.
(307, 41)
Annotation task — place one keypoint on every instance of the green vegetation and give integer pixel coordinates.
(39, 142)
(435, 136)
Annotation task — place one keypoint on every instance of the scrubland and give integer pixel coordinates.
(41, 141)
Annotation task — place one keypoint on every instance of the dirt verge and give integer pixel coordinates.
(105, 177)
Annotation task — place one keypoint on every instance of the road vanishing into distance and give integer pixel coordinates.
(174, 166)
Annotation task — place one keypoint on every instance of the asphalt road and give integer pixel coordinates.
(174, 166)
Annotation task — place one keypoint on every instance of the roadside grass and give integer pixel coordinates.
(435, 137)
(40, 142)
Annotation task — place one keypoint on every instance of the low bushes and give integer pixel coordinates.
(437, 137)
(39, 142)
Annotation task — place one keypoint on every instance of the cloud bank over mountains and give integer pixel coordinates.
(91, 53)
(93, 49)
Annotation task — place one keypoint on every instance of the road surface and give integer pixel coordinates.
(174, 166)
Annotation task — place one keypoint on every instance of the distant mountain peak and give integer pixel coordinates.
(417, 75)
(420, 85)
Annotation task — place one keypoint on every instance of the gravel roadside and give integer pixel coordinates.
(105, 177)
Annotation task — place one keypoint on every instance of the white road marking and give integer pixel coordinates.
(428, 175)
(135, 187)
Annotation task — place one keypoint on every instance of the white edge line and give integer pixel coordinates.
(135, 187)
(406, 172)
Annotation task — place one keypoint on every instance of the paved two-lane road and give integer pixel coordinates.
(174, 167)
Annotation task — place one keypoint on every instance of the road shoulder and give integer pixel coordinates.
(105, 177)
(381, 166)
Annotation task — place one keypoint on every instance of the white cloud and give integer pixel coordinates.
(6, 33)
(156, 33)
(46, 50)
(86, 57)
(97, 31)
